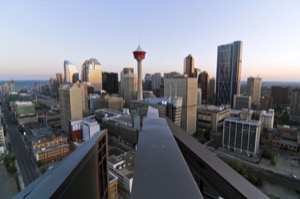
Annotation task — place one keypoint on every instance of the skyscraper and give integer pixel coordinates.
(212, 90)
(156, 80)
(229, 68)
(189, 66)
(110, 82)
(203, 82)
(147, 82)
(197, 72)
(128, 85)
(92, 72)
(69, 70)
(70, 102)
(254, 89)
(75, 77)
(186, 88)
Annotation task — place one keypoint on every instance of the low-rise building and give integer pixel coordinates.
(243, 135)
(171, 107)
(89, 128)
(120, 125)
(122, 166)
(2, 139)
(51, 149)
(286, 138)
(211, 117)
(105, 101)
(25, 112)
(113, 186)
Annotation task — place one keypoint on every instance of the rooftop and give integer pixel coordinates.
(160, 170)
(239, 120)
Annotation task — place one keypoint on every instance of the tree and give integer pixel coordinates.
(273, 162)
(267, 154)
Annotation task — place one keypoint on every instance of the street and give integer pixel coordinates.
(28, 168)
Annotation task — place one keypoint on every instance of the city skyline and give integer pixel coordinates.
(38, 36)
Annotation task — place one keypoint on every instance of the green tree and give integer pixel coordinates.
(267, 154)
(273, 162)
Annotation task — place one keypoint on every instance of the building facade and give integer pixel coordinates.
(242, 135)
(25, 112)
(267, 118)
(186, 88)
(69, 70)
(70, 102)
(110, 82)
(128, 85)
(2, 138)
(203, 83)
(89, 128)
(240, 102)
(266, 103)
(48, 149)
(210, 117)
(295, 105)
(229, 69)
(254, 89)
(189, 66)
(92, 72)
(212, 91)
(280, 95)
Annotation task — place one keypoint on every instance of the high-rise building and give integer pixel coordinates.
(212, 91)
(70, 101)
(242, 135)
(254, 89)
(69, 70)
(229, 68)
(203, 83)
(199, 97)
(156, 80)
(128, 85)
(59, 78)
(186, 88)
(92, 72)
(75, 77)
(197, 72)
(189, 66)
(280, 95)
(147, 82)
(110, 82)
(295, 105)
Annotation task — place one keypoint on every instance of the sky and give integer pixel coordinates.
(37, 36)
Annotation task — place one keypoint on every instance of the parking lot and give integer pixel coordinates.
(286, 163)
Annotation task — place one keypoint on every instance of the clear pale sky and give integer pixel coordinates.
(37, 36)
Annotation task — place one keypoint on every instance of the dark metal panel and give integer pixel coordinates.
(160, 169)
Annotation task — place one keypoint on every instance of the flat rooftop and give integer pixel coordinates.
(239, 120)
